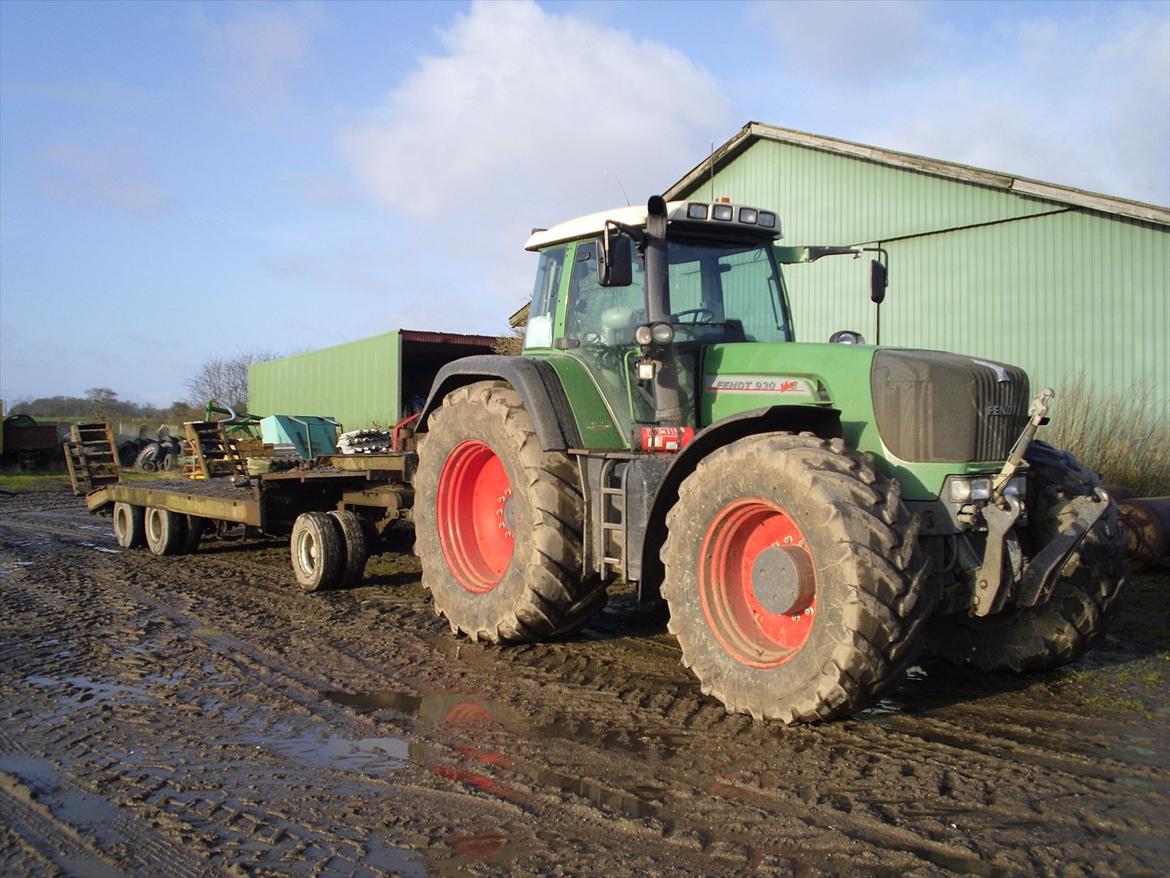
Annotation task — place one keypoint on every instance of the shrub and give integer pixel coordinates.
(1123, 436)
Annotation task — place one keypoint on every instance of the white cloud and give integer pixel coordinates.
(101, 177)
(846, 40)
(527, 118)
(1075, 94)
(258, 51)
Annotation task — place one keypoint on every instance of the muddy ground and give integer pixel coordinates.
(199, 715)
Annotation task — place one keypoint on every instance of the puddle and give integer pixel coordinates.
(90, 813)
(474, 766)
(457, 709)
(379, 757)
(98, 817)
(84, 693)
(98, 548)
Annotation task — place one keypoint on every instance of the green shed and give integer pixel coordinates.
(376, 380)
(1071, 285)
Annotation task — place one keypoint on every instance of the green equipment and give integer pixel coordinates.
(813, 514)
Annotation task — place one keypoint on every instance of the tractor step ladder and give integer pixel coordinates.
(91, 456)
(613, 518)
(214, 452)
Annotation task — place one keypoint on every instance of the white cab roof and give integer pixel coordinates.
(594, 223)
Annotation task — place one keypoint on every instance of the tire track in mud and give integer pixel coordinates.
(611, 722)
(267, 662)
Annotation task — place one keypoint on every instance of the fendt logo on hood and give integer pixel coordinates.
(1001, 411)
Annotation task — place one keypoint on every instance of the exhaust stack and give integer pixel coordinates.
(667, 406)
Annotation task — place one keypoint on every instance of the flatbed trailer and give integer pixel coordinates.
(332, 509)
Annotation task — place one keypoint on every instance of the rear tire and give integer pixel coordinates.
(130, 525)
(317, 552)
(1083, 599)
(166, 531)
(353, 541)
(194, 533)
(498, 522)
(796, 586)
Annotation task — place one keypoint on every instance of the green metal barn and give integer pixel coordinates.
(375, 380)
(1068, 284)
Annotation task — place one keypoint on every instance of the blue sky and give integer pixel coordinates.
(180, 181)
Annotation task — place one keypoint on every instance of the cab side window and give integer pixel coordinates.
(602, 315)
(543, 309)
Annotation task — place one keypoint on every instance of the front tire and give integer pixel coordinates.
(796, 586)
(498, 522)
(1084, 597)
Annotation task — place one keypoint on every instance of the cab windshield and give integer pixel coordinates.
(718, 292)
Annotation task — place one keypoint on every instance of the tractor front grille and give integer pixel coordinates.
(935, 407)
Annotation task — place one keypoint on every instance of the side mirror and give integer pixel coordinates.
(877, 282)
(615, 261)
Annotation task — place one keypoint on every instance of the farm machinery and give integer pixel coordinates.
(812, 514)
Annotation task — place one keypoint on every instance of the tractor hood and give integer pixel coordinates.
(904, 405)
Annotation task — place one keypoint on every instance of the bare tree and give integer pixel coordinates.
(101, 399)
(224, 380)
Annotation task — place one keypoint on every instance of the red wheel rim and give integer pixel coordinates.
(473, 513)
(757, 583)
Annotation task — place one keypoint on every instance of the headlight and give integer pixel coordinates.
(1017, 487)
(654, 333)
(722, 212)
(767, 219)
(846, 336)
(662, 333)
(697, 211)
(964, 490)
(748, 214)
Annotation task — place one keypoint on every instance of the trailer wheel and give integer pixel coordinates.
(796, 586)
(166, 531)
(130, 525)
(498, 522)
(353, 541)
(1083, 599)
(194, 533)
(317, 552)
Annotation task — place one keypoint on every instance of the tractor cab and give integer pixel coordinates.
(598, 300)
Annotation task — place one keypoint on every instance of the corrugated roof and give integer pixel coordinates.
(1024, 186)
(446, 337)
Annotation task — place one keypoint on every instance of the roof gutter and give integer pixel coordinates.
(1021, 186)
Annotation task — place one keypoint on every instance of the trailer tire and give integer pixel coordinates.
(166, 531)
(317, 552)
(130, 525)
(796, 584)
(353, 541)
(1084, 597)
(498, 522)
(194, 533)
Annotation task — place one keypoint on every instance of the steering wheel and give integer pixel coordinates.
(698, 315)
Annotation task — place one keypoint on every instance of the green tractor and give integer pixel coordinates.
(812, 514)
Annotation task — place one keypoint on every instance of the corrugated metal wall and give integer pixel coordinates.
(1064, 292)
(356, 383)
